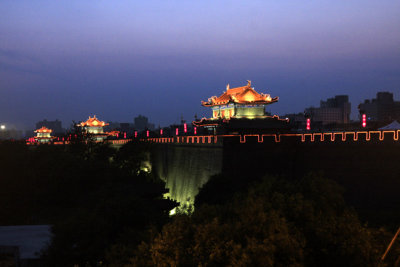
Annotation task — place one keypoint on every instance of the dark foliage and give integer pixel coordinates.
(94, 196)
(271, 222)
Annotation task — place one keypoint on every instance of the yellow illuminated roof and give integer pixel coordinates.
(241, 95)
(93, 122)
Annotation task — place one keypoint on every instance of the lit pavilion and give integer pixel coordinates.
(43, 135)
(241, 107)
(94, 127)
(239, 102)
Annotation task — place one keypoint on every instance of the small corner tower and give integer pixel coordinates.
(94, 127)
(43, 135)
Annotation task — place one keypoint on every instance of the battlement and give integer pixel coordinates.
(351, 136)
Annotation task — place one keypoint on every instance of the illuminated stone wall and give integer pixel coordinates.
(94, 130)
(185, 168)
(43, 135)
(223, 111)
(368, 170)
(241, 111)
(250, 111)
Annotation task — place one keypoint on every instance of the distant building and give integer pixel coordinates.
(383, 108)
(127, 127)
(296, 120)
(43, 135)
(332, 111)
(9, 132)
(54, 125)
(240, 109)
(239, 102)
(94, 127)
(142, 123)
(112, 126)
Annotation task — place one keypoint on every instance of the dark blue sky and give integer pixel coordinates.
(117, 59)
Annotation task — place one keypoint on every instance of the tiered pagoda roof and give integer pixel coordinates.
(43, 135)
(245, 95)
(93, 122)
(43, 130)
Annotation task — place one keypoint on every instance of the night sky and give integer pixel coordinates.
(70, 59)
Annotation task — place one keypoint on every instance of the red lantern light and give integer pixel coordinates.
(135, 134)
(185, 128)
(195, 130)
(161, 131)
(364, 120)
(176, 131)
(308, 124)
(147, 133)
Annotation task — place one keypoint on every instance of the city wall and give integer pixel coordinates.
(186, 167)
(366, 164)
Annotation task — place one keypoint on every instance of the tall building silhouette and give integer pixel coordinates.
(382, 108)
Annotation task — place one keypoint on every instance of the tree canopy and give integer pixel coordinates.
(94, 196)
(274, 222)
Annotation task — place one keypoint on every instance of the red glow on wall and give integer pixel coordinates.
(176, 131)
(161, 131)
(147, 133)
(308, 124)
(195, 130)
(185, 128)
(364, 120)
(135, 134)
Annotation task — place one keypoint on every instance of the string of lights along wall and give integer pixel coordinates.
(238, 107)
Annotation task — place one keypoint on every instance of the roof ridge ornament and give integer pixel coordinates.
(240, 95)
(227, 87)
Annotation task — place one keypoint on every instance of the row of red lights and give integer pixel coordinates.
(364, 120)
(308, 127)
(32, 139)
(185, 128)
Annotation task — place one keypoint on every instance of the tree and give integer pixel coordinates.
(88, 192)
(274, 222)
(112, 207)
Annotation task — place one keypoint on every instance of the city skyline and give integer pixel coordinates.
(117, 60)
(354, 112)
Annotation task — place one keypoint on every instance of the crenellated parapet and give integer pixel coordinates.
(348, 136)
